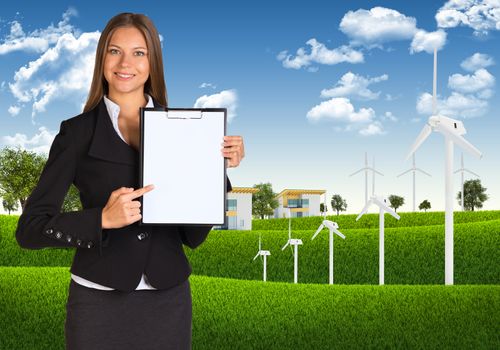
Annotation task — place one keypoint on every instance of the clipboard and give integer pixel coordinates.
(180, 155)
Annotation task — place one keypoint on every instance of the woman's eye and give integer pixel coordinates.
(114, 51)
(140, 53)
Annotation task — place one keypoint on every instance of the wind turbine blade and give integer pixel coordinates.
(426, 131)
(470, 172)
(406, 172)
(257, 255)
(286, 245)
(339, 233)
(318, 231)
(360, 170)
(386, 208)
(423, 172)
(375, 171)
(459, 140)
(434, 84)
(365, 209)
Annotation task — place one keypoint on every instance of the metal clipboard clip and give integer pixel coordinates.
(184, 114)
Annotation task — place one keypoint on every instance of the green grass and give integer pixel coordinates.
(413, 255)
(255, 315)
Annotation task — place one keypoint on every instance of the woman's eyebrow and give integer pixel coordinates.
(135, 48)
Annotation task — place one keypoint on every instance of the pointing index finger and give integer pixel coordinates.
(139, 192)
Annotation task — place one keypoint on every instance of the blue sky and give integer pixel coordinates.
(310, 86)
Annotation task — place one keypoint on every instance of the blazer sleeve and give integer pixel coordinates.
(193, 236)
(42, 224)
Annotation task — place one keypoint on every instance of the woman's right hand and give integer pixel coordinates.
(121, 209)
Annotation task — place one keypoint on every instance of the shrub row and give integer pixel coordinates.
(348, 221)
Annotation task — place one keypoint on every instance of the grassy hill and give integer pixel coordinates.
(232, 308)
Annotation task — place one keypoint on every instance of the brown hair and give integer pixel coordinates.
(155, 85)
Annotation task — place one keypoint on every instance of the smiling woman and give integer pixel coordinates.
(126, 280)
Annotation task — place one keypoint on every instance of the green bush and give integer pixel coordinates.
(255, 315)
(348, 221)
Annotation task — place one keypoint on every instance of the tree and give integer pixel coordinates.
(72, 200)
(474, 195)
(19, 173)
(338, 203)
(396, 201)
(264, 201)
(10, 203)
(322, 208)
(424, 205)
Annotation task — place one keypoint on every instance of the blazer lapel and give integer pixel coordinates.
(106, 144)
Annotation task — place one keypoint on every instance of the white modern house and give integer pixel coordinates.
(239, 208)
(302, 203)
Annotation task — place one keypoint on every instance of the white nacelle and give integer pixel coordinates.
(453, 124)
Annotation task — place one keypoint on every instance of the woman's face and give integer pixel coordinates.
(126, 62)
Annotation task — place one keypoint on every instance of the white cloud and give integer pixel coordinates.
(39, 143)
(64, 70)
(224, 99)
(390, 116)
(207, 85)
(376, 26)
(477, 61)
(371, 129)
(428, 41)
(480, 80)
(355, 86)
(481, 15)
(38, 40)
(320, 54)
(14, 110)
(340, 109)
(456, 105)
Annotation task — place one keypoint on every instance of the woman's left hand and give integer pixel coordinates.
(234, 150)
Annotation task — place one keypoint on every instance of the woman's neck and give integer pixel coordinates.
(129, 103)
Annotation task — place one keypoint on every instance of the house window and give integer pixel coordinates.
(232, 222)
(231, 204)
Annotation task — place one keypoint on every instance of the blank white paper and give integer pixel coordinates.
(182, 159)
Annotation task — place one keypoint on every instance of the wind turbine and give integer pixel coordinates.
(382, 207)
(295, 251)
(264, 254)
(373, 177)
(414, 169)
(366, 168)
(452, 131)
(332, 226)
(462, 170)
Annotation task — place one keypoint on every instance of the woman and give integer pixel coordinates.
(129, 284)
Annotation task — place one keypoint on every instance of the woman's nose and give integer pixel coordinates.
(125, 60)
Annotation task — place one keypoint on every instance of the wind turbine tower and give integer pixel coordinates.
(452, 130)
(414, 169)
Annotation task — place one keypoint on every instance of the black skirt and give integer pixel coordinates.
(143, 319)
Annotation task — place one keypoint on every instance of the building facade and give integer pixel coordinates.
(239, 208)
(302, 203)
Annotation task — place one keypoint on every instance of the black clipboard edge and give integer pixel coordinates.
(141, 162)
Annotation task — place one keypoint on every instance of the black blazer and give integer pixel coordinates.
(89, 153)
